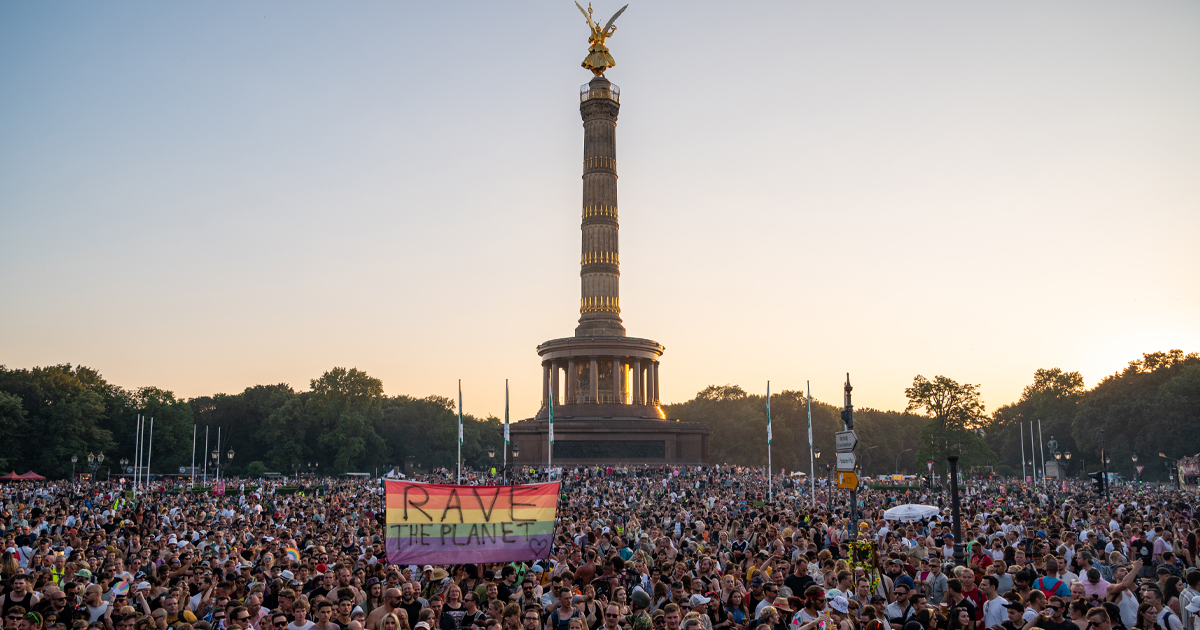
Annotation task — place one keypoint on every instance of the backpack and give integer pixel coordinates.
(1048, 592)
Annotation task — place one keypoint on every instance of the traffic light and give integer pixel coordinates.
(1097, 482)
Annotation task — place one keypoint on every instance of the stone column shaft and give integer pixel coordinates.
(554, 383)
(545, 383)
(594, 381)
(599, 273)
(572, 381)
(656, 382)
(636, 373)
(616, 380)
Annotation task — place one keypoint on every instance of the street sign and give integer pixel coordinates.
(846, 461)
(847, 480)
(1140, 469)
(930, 465)
(844, 441)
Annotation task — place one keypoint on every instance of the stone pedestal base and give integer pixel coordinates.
(616, 441)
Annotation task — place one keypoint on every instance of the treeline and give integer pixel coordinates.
(342, 423)
(1151, 406)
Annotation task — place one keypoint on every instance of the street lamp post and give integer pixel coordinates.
(124, 461)
(491, 456)
(958, 546)
(897, 466)
(74, 458)
(516, 450)
(1136, 475)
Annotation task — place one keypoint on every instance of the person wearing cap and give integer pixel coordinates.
(700, 609)
(839, 610)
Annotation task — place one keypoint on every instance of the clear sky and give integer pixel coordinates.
(207, 196)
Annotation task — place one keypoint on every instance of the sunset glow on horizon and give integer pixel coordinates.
(205, 198)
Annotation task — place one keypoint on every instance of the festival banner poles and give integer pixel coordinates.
(770, 473)
(812, 463)
(1024, 476)
(204, 455)
(506, 428)
(192, 472)
(1042, 444)
(137, 445)
(550, 448)
(460, 431)
(1033, 454)
(150, 451)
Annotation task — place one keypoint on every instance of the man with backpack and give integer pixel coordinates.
(1050, 585)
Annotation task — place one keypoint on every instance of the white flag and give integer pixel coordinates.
(768, 412)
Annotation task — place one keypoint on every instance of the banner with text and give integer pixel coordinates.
(446, 524)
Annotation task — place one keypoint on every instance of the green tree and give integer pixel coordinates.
(956, 421)
(1142, 409)
(1053, 398)
(346, 404)
(12, 423)
(62, 417)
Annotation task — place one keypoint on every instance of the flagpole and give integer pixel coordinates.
(550, 448)
(770, 473)
(137, 446)
(812, 463)
(1042, 445)
(1033, 452)
(204, 455)
(192, 471)
(506, 429)
(460, 431)
(150, 450)
(1021, 425)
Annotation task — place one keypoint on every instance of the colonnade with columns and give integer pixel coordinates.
(633, 381)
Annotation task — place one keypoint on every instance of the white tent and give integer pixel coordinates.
(910, 512)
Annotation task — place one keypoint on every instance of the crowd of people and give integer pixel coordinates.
(636, 548)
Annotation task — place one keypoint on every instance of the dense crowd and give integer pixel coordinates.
(635, 549)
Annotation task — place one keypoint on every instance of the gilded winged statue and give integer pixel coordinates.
(598, 59)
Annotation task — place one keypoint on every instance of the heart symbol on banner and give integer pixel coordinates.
(539, 547)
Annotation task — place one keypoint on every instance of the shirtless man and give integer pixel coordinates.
(391, 603)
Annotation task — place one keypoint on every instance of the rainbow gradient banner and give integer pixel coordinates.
(446, 524)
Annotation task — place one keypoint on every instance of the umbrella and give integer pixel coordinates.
(910, 512)
(32, 476)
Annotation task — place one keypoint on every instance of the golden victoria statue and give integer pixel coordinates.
(598, 59)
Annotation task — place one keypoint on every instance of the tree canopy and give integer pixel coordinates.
(345, 423)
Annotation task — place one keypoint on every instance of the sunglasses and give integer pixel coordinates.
(611, 616)
(280, 624)
(246, 618)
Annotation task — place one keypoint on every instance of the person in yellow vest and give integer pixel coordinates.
(59, 569)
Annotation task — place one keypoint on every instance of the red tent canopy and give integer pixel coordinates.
(32, 476)
(12, 476)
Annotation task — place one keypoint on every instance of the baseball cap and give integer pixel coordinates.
(698, 599)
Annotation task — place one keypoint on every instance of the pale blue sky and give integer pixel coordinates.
(206, 196)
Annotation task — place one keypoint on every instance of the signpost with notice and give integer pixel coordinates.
(847, 480)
